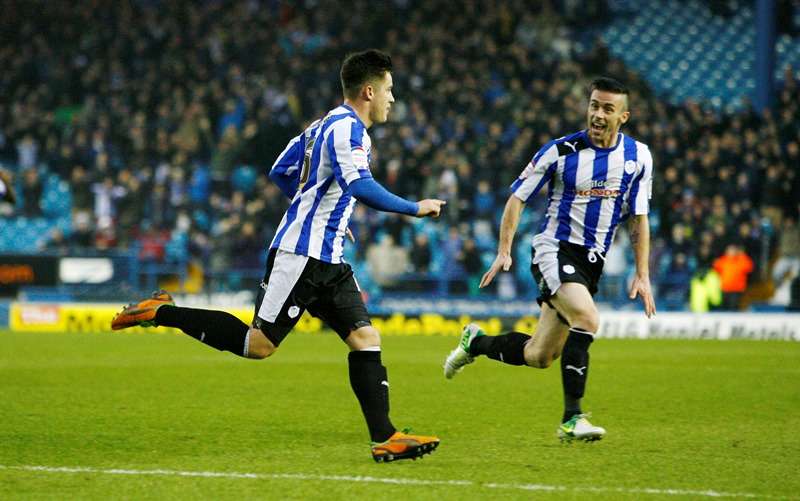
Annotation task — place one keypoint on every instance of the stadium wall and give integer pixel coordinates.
(96, 318)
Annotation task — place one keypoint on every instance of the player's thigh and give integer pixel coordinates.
(278, 303)
(575, 303)
(341, 306)
(548, 340)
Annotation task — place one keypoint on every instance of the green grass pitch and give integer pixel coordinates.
(138, 415)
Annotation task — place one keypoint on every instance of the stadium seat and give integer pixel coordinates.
(701, 40)
(244, 179)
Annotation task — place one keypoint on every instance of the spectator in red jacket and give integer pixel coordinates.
(733, 267)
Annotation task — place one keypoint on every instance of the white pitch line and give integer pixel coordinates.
(384, 480)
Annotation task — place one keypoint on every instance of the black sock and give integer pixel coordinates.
(371, 386)
(575, 370)
(218, 329)
(507, 348)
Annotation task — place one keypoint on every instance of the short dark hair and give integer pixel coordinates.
(608, 84)
(360, 67)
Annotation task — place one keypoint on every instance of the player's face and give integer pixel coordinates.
(607, 112)
(382, 99)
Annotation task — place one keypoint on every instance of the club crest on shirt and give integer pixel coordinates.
(630, 166)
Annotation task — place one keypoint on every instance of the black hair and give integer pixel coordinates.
(360, 67)
(608, 84)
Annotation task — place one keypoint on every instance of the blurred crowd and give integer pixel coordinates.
(164, 117)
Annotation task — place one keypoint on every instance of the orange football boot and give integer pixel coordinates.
(401, 445)
(142, 313)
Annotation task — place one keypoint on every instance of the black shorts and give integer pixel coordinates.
(567, 263)
(293, 284)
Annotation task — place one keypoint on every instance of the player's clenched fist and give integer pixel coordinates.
(429, 207)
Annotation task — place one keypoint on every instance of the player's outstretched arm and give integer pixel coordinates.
(508, 227)
(372, 194)
(640, 239)
(431, 207)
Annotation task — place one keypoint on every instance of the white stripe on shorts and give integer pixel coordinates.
(546, 258)
(286, 270)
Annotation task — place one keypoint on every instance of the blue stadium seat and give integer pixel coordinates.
(244, 179)
(668, 40)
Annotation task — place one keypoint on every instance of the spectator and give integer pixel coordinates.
(752, 246)
(152, 244)
(106, 195)
(81, 185)
(451, 250)
(705, 290)
(733, 268)
(676, 284)
(421, 253)
(387, 261)
(786, 270)
(232, 118)
(27, 153)
(82, 230)
(248, 248)
(130, 210)
(466, 120)
(470, 260)
(31, 193)
(56, 243)
(223, 160)
(484, 204)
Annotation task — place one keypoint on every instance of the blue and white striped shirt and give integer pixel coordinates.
(590, 189)
(322, 162)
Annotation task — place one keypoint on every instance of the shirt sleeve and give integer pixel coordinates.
(537, 173)
(285, 171)
(349, 146)
(642, 187)
(376, 196)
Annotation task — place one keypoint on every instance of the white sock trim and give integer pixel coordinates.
(246, 350)
(371, 348)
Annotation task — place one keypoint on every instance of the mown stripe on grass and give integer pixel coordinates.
(383, 480)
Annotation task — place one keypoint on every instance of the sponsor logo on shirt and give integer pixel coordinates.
(598, 189)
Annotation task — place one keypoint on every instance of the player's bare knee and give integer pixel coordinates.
(259, 346)
(363, 337)
(536, 357)
(585, 320)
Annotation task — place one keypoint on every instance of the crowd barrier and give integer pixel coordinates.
(96, 318)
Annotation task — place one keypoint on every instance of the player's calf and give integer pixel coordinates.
(218, 329)
(258, 346)
(508, 348)
(540, 357)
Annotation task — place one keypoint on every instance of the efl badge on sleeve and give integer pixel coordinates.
(360, 159)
